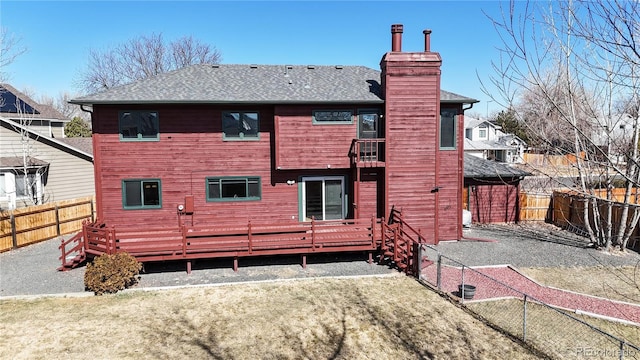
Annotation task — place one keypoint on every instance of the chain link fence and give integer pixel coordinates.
(554, 331)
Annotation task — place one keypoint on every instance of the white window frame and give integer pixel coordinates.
(303, 195)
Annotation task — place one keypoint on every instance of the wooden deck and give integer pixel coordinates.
(232, 241)
(395, 242)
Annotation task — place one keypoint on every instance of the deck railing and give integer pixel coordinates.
(400, 244)
(367, 152)
(193, 242)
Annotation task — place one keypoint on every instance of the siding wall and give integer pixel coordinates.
(371, 194)
(70, 176)
(190, 150)
(451, 181)
(301, 144)
(411, 83)
(493, 201)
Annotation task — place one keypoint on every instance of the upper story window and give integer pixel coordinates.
(482, 132)
(448, 129)
(139, 126)
(233, 188)
(141, 194)
(332, 117)
(240, 125)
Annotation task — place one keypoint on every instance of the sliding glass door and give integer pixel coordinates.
(323, 198)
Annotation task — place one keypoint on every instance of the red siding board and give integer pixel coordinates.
(301, 144)
(496, 203)
(422, 180)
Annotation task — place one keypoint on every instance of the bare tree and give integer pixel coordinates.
(143, 57)
(29, 175)
(10, 49)
(562, 67)
(62, 105)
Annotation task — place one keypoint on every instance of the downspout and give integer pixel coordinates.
(97, 179)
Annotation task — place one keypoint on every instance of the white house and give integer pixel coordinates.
(37, 164)
(486, 140)
(614, 135)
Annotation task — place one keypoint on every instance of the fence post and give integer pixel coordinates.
(250, 237)
(419, 265)
(14, 233)
(57, 210)
(524, 320)
(462, 287)
(92, 214)
(439, 272)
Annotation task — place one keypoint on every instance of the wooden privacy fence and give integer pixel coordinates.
(539, 207)
(568, 208)
(534, 207)
(29, 225)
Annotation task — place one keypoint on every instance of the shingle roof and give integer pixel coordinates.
(17, 162)
(41, 111)
(274, 84)
(485, 145)
(475, 167)
(81, 143)
(470, 123)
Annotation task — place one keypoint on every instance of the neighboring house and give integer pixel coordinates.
(20, 108)
(615, 135)
(32, 147)
(228, 144)
(486, 140)
(491, 190)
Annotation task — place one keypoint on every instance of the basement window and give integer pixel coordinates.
(240, 125)
(139, 126)
(233, 188)
(141, 194)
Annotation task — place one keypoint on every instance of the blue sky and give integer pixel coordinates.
(59, 34)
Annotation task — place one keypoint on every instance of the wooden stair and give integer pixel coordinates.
(72, 252)
(400, 244)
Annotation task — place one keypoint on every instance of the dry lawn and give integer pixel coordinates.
(369, 318)
(615, 283)
(558, 335)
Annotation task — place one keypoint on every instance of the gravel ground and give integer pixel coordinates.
(32, 270)
(540, 245)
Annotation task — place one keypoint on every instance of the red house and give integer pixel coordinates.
(209, 148)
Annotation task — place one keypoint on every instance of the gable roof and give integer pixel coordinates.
(471, 123)
(12, 162)
(475, 167)
(84, 144)
(76, 151)
(15, 103)
(266, 84)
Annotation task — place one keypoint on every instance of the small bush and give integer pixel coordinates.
(111, 273)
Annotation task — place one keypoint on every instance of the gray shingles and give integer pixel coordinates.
(17, 162)
(475, 167)
(270, 84)
(43, 111)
